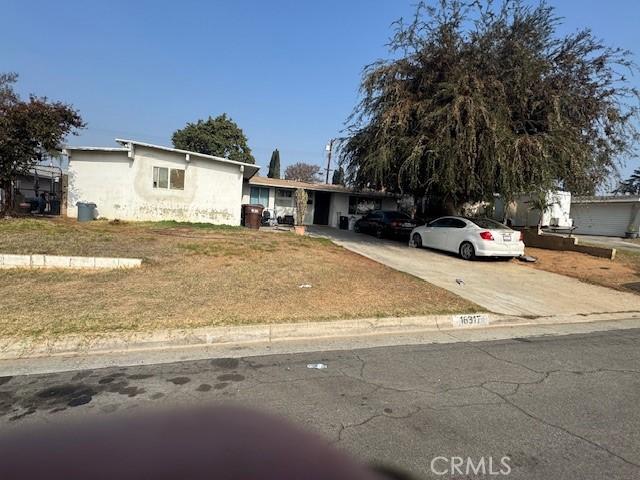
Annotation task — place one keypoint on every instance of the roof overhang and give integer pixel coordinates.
(607, 199)
(317, 187)
(67, 150)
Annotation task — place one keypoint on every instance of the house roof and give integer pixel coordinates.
(318, 187)
(128, 145)
(607, 199)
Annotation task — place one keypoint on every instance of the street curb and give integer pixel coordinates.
(12, 349)
(64, 261)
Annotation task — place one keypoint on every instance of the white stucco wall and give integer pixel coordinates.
(123, 188)
(338, 206)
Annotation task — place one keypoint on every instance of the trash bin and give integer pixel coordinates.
(86, 211)
(54, 206)
(252, 216)
(344, 223)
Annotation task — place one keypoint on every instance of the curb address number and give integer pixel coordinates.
(471, 320)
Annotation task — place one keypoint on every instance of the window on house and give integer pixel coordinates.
(259, 196)
(172, 178)
(176, 179)
(284, 198)
(363, 205)
(160, 177)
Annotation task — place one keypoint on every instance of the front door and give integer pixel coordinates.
(321, 208)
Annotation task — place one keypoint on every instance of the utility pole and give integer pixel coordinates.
(329, 150)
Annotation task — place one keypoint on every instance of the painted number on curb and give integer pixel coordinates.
(470, 320)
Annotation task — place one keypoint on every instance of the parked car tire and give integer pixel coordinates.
(379, 233)
(417, 240)
(467, 252)
(356, 228)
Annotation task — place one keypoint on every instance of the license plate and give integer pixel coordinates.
(407, 225)
(470, 320)
(506, 237)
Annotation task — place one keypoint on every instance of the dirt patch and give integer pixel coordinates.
(194, 276)
(623, 273)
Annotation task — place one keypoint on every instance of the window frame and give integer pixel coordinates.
(156, 178)
(284, 201)
(260, 196)
(171, 182)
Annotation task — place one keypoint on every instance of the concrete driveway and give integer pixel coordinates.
(611, 242)
(501, 287)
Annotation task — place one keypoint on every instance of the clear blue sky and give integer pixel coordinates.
(287, 71)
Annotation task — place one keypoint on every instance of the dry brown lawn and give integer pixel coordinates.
(196, 275)
(623, 273)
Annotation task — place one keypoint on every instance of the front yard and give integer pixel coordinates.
(196, 275)
(623, 273)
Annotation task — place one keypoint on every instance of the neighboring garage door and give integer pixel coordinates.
(610, 219)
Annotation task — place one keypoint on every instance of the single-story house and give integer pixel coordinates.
(144, 182)
(141, 181)
(610, 216)
(326, 203)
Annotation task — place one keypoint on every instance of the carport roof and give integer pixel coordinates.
(318, 187)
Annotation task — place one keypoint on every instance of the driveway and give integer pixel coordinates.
(500, 287)
(611, 242)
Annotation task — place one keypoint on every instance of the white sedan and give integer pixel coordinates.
(469, 237)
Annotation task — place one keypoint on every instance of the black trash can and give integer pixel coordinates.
(344, 223)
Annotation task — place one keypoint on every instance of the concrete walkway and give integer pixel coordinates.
(611, 242)
(501, 287)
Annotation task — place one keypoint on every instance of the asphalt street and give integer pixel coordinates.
(556, 406)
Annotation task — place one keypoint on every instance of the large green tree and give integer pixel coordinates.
(274, 165)
(218, 136)
(482, 98)
(29, 129)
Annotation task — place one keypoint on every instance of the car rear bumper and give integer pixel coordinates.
(491, 249)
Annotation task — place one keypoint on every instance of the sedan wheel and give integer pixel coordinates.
(417, 240)
(379, 233)
(467, 251)
(356, 228)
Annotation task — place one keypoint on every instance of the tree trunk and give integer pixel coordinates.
(450, 207)
(540, 223)
(7, 205)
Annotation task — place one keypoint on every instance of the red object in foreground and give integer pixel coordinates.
(486, 235)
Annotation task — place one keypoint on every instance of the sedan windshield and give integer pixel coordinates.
(488, 223)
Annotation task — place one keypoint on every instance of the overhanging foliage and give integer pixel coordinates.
(482, 99)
